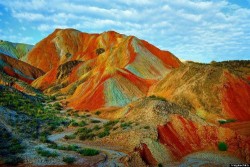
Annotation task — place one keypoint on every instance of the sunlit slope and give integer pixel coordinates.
(98, 70)
(214, 91)
(18, 69)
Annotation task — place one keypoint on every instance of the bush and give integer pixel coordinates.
(96, 127)
(82, 123)
(146, 127)
(222, 146)
(67, 137)
(69, 160)
(88, 152)
(13, 160)
(95, 121)
(104, 133)
(46, 153)
(126, 125)
(74, 124)
(226, 121)
(97, 112)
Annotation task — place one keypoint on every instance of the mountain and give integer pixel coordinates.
(18, 69)
(15, 50)
(114, 100)
(212, 91)
(98, 70)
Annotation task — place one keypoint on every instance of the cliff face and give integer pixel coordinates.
(112, 69)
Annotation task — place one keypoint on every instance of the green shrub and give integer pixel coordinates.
(157, 98)
(95, 121)
(160, 165)
(126, 125)
(97, 112)
(96, 127)
(146, 127)
(88, 152)
(85, 136)
(222, 146)
(46, 153)
(13, 160)
(69, 160)
(226, 121)
(104, 133)
(82, 123)
(67, 137)
(75, 124)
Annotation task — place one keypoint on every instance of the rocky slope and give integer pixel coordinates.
(18, 69)
(86, 67)
(217, 91)
(15, 50)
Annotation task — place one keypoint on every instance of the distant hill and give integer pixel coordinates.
(15, 50)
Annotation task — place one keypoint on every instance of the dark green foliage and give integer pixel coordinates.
(226, 121)
(85, 133)
(96, 127)
(9, 148)
(100, 51)
(67, 137)
(46, 153)
(95, 121)
(157, 98)
(126, 125)
(88, 152)
(97, 112)
(13, 160)
(74, 124)
(222, 146)
(57, 106)
(63, 147)
(69, 160)
(146, 127)
(104, 133)
(160, 165)
(82, 123)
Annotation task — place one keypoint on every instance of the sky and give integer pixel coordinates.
(197, 30)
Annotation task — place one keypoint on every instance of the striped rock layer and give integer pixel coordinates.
(98, 70)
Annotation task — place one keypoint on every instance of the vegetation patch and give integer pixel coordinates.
(46, 153)
(69, 160)
(222, 146)
(88, 152)
(226, 121)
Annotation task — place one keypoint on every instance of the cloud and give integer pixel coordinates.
(191, 29)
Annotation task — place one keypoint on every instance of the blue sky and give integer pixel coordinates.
(197, 30)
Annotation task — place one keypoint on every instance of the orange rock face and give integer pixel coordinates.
(182, 136)
(18, 69)
(236, 98)
(114, 69)
(212, 92)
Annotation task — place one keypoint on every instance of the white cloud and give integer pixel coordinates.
(201, 29)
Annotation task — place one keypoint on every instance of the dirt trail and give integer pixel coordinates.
(112, 156)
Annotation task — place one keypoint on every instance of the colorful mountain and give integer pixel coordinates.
(218, 91)
(98, 70)
(15, 50)
(18, 69)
